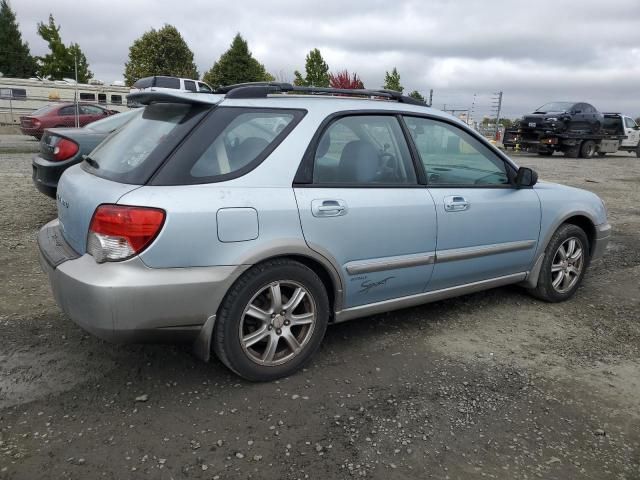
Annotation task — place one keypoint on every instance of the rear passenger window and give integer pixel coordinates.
(190, 85)
(168, 82)
(363, 150)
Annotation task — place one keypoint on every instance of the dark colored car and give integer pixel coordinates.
(60, 148)
(61, 115)
(561, 117)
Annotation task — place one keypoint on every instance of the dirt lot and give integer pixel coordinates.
(491, 385)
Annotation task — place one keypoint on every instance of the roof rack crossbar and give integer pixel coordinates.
(262, 89)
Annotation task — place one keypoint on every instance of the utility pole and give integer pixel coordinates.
(496, 107)
(473, 104)
(431, 97)
(75, 61)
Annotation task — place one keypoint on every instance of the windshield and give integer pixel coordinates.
(43, 110)
(555, 107)
(130, 155)
(109, 124)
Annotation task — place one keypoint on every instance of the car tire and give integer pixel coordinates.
(560, 278)
(545, 154)
(595, 128)
(252, 335)
(588, 149)
(638, 151)
(572, 152)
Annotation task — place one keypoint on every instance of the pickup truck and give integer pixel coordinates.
(618, 133)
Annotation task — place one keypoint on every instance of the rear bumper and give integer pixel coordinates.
(128, 301)
(32, 131)
(603, 234)
(46, 174)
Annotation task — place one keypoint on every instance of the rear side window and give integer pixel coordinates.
(132, 154)
(231, 142)
(190, 85)
(168, 82)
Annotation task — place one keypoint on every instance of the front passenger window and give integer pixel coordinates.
(453, 157)
(363, 150)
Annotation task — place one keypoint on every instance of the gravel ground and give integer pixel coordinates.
(491, 385)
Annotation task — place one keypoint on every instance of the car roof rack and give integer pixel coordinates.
(262, 89)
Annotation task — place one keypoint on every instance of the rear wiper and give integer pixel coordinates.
(91, 161)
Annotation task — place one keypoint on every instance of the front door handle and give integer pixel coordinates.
(455, 203)
(328, 208)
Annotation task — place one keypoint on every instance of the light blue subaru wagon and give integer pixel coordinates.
(248, 220)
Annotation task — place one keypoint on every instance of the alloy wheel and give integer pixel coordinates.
(277, 323)
(567, 265)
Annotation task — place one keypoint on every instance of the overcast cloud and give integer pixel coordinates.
(533, 51)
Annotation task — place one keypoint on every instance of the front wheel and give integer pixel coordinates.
(566, 259)
(272, 320)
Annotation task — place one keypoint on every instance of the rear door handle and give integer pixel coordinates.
(328, 208)
(456, 203)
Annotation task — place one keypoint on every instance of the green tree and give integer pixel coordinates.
(160, 52)
(416, 94)
(61, 61)
(392, 81)
(15, 57)
(237, 65)
(316, 71)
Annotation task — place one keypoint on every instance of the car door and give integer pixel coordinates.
(364, 209)
(487, 228)
(66, 117)
(631, 131)
(91, 113)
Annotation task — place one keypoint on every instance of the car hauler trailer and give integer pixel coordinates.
(618, 133)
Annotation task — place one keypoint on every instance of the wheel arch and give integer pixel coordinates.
(580, 219)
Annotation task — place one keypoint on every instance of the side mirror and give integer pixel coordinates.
(526, 177)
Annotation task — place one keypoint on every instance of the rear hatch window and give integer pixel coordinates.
(132, 154)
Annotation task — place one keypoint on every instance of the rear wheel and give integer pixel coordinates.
(566, 259)
(272, 320)
(638, 151)
(588, 149)
(595, 128)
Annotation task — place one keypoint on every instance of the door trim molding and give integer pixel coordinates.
(390, 263)
(426, 297)
(473, 252)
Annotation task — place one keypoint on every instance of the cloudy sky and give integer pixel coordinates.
(534, 51)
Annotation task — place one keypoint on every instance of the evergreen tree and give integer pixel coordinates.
(416, 94)
(61, 62)
(236, 65)
(160, 52)
(15, 57)
(392, 81)
(316, 71)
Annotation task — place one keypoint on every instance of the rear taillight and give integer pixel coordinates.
(35, 123)
(64, 149)
(118, 232)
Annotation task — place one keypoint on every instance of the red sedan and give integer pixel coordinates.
(61, 115)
